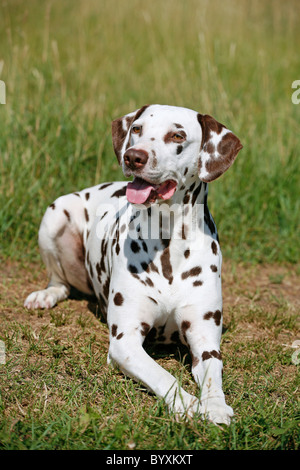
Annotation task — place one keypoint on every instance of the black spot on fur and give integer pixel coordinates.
(133, 269)
(135, 247)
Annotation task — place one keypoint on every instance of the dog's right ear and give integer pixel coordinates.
(121, 131)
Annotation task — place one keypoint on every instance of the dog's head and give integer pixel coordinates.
(166, 146)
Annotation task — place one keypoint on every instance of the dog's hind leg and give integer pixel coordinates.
(62, 249)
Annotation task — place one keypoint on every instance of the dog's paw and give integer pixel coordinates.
(40, 299)
(183, 405)
(46, 298)
(216, 411)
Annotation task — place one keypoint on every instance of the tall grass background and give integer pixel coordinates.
(70, 67)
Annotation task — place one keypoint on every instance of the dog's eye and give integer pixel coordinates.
(136, 129)
(178, 137)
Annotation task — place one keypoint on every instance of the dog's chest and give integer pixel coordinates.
(141, 253)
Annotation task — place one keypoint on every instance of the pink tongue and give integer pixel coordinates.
(139, 190)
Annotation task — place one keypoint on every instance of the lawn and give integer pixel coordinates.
(70, 68)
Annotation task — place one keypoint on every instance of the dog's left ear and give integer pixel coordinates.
(219, 148)
(120, 130)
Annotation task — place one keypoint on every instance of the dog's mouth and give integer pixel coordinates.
(140, 191)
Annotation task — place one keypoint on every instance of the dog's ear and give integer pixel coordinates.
(120, 131)
(219, 148)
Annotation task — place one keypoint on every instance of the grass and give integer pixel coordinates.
(57, 392)
(66, 81)
(69, 69)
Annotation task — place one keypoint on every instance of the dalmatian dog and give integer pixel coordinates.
(149, 251)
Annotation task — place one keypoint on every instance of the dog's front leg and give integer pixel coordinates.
(126, 351)
(201, 329)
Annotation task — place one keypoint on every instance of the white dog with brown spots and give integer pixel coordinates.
(149, 251)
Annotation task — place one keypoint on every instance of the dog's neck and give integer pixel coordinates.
(192, 191)
(176, 217)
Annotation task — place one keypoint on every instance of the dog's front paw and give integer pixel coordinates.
(183, 404)
(216, 411)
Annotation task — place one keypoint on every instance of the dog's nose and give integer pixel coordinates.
(135, 159)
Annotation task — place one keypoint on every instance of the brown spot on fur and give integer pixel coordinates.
(186, 198)
(192, 272)
(214, 268)
(106, 288)
(87, 196)
(67, 214)
(118, 299)
(121, 192)
(52, 206)
(149, 282)
(179, 149)
(185, 325)
(103, 186)
(217, 315)
(114, 329)
(86, 214)
(214, 247)
(120, 335)
(195, 361)
(210, 354)
(187, 253)
(197, 283)
(166, 265)
(183, 232)
(153, 300)
(145, 328)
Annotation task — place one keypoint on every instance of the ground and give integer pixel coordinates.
(64, 350)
